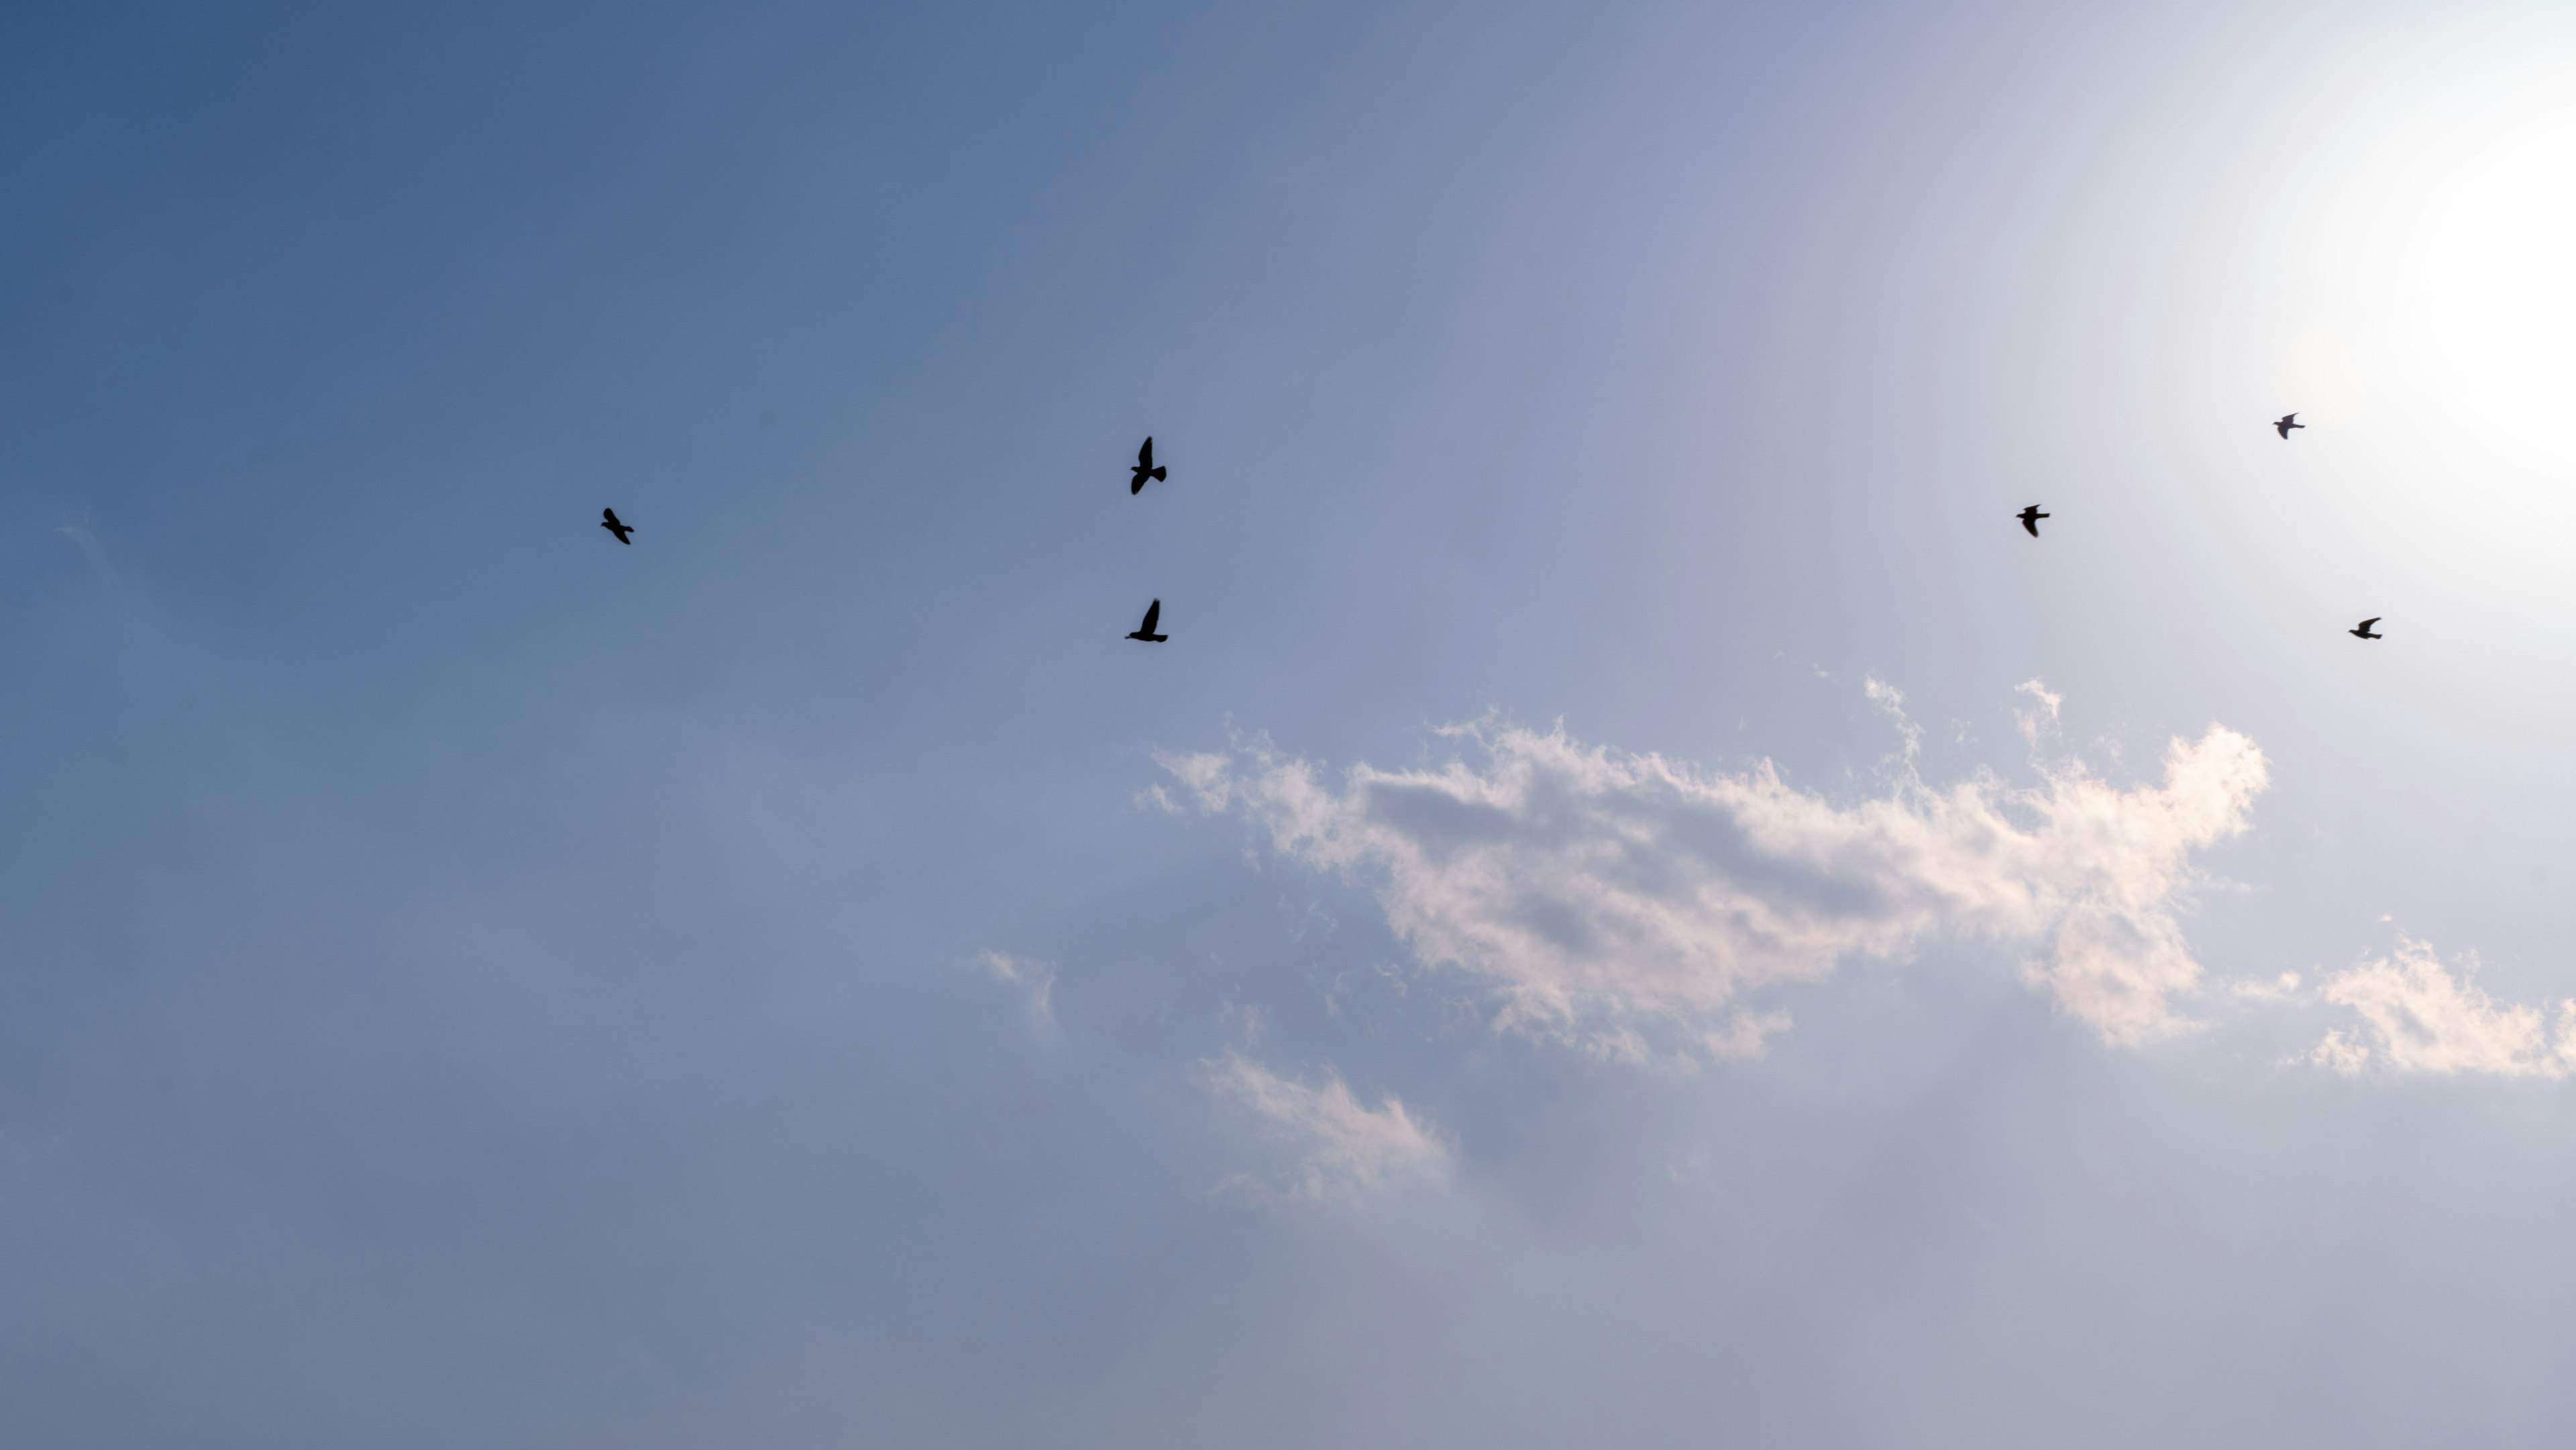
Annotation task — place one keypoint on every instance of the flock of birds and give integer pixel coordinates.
(2031, 516)
(1146, 470)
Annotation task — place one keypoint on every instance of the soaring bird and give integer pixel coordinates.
(2287, 422)
(1144, 469)
(2030, 518)
(1145, 631)
(608, 521)
(2362, 630)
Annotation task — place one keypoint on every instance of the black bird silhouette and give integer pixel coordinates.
(1145, 631)
(2287, 422)
(2030, 518)
(608, 521)
(2362, 630)
(1144, 469)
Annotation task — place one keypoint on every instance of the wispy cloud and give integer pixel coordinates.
(1890, 701)
(2032, 722)
(2417, 1016)
(1344, 1149)
(1034, 978)
(1598, 891)
(85, 539)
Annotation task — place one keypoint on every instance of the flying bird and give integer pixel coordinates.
(608, 521)
(1144, 469)
(2287, 422)
(1145, 631)
(2363, 631)
(2030, 518)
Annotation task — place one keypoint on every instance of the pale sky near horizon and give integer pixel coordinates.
(1636, 907)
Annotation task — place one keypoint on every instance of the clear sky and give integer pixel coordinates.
(1637, 906)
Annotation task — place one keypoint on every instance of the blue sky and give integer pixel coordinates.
(1636, 906)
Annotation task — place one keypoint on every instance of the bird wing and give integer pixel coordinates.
(1145, 455)
(2367, 623)
(610, 515)
(2031, 522)
(1153, 612)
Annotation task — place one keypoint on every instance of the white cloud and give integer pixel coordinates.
(2417, 1017)
(2029, 720)
(1035, 978)
(1344, 1149)
(1890, 702)
(2283, 988)
(1597, 891)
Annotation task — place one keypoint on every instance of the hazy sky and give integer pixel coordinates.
(1636, 908)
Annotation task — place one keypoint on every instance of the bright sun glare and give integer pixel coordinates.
(2492, 276)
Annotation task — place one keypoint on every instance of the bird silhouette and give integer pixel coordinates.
(1145, 631)
(1144, 469)
(2363, 631)
(2287, 422)
(608, 521)
(2030, 518)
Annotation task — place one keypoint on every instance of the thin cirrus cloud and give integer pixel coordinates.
(1605, 895)
(1034, 978)
(2417, 1017)
(1344, 1148)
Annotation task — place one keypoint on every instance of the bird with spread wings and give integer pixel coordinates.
(1144, 469)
